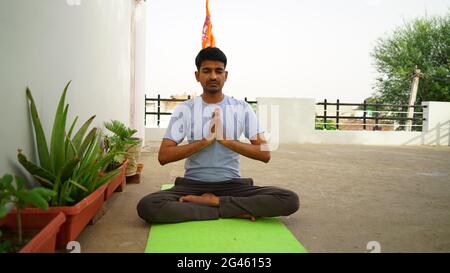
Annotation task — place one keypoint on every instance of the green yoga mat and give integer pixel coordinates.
(265, 235)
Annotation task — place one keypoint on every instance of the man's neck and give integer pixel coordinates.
(213, 98)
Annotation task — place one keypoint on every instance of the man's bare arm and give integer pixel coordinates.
(252, 150)
(170, 152)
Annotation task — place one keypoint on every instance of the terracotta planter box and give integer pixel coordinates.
(135, 179)
(117, 181)
(140, 166)
(48, 225)
(77, 216)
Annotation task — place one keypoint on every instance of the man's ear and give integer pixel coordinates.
(226, 75)
(197, 76)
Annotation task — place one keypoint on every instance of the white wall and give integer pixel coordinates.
(365, 137)
(296, 127)
(437, 125)
(46, 43)
(294, 122)
(137, 92)
(154, 134)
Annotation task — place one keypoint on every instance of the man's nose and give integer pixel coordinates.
(213, 76)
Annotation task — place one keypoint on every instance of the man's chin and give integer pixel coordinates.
(212, 91)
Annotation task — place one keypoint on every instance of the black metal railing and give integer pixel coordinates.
(158, 111)
(382, 112)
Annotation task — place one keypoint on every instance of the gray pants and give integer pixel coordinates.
(237, 197)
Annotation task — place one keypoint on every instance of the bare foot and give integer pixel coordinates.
(208, 199)
(247, 216)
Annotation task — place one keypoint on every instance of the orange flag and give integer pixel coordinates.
(207, 36)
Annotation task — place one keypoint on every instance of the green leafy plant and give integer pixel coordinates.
(329, 126)
(19, 197)
(70, 161)
(90, 173)
(122, 135)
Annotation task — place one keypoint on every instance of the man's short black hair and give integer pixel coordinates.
(212, 54)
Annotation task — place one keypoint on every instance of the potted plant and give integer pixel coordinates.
(116, 143)
(70, 167)
(33, 234)
(124, 141)
(123, 136)
(133, 155)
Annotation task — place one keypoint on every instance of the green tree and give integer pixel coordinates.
(425, 43)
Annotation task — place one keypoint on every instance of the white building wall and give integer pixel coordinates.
(137, 92)
(46, 43)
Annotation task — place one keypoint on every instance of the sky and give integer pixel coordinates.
(288, 48)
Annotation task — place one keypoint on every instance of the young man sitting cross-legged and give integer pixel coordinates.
(212, 187)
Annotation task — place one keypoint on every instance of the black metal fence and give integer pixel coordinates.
(158, 111)
(394, 114)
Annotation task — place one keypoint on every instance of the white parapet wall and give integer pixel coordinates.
(292, 120)
(297, 116)
(437, 123)
(365, 137)
(154, 134)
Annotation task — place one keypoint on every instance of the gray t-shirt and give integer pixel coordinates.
(192, 118)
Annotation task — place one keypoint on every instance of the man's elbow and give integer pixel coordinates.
(266, 157)
(162, 160)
